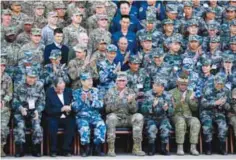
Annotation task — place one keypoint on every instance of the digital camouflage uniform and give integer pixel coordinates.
(232, 111)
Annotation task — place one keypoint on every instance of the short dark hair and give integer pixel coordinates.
(58, 30)
(124, 2)
(58, 80)
(125, 16)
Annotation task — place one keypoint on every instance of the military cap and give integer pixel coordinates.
(39, 5)
(215, 39)
(193, 22)
(121, 76)
(188, 64)
(29, 20)
(59, 5)
(213, 25)
(17, 3)
(182, 78)
(55, 53)
(52, 14)
(195, 38)
(234, 93)
(230, 8)
(32, 73)
(134, 59)
(206, 62)
(6, 12)
(146, 38)
(80, 48)
(77, 12)
(209, 9)
(36, 31)
(102, 16)
(188, 4)
(158, 52)
(171, 8)
(10, 31)
(228, 58)
(98, 4)
(3, 61)
(233, 40)
(85, 75)
(167, 21)
(111, 48)
(233, 23)
(159, 81)
(151, 19)
(220, 78)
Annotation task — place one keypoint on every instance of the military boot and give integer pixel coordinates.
(223, 148)
(193, 150)
(85, 150)
(151, 149)
(137, 148)
(180, 150)
(36, 150)
(19, 150)
(98, 150)
(111, 149)
(208, 148)
(2, 151)
(164, 151)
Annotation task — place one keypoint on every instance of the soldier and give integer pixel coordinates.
(39, 20)
(121, 111)
(168, 31)
(48, 30)
(34, 45)
(80, 64)
(60, 8)
(172, 13)
(6, 17)
(28, 104)
(232, 111)
(198, 10)
(54, 70)
(157, 108)
(214, 103)
(184, 106)
(107, 70)
(87, 106)
(219, 10)
(6, 96)
(232, 33)
(97, 33)
(24, 37)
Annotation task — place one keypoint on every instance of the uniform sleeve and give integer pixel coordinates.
(193, 104)
(41, 101)
(66, 37)
(97, 101)
(9, 91)
(77, 104)
(16, 104)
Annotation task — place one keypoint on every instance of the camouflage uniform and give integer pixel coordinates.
(173, 8)
(39, 21)
(6, 96)
(232, 111)
(121, 113)
(155, 116)
(23, 97)
(88, 113)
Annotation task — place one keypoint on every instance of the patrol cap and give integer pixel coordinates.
(157, 52)
(80, 48)
(10, 31)
(16, 3)
(77, 12)
(171, 8)
(234, 93)
(27, 59)
(233, 23)
(151, 19)
(59, 5)
(233, 40)
(98, 4)
(194, 38)
(36, 31)
(206, 62)
(188, 64)
(85, 75)
(220, 78)
(39, 5)
(121, 76)
(146, 38)
(52, 14)
(111, 48)
(134, 59)
(188, 4)
(230, 8)
(182, 78)
(193, 22)
(167, 21)
(55, 53)
(215, 39)
(32, 73)
(6, 12)
(102, 16)
(209, 9)
(28, 21)
(159, 81)
(213, 25)
(228, 58)
(3, 61)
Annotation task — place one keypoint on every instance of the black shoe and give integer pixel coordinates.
(36, 150)
(85, 150)
(151, 149)
(53, 154)
(208, 148)
(67, 154)
(19, 150)
(222, 148)
(164, 151)
(98, 150)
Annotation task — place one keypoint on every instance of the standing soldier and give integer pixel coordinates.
(87, 106)
(214, 103)
(184, 106)
(121, 111)
(157, 108)
(28, 104)
(39, 20)
(6, 96)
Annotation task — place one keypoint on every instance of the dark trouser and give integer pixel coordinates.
(69, 129)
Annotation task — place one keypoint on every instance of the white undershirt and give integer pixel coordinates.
(61, 97)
